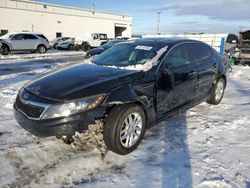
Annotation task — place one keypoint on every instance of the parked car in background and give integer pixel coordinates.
(90, 41)
(56, 41)
(102, 48)
(122, 38)
(231, 41)
(128, 88)
(24, 41)
(68, 44)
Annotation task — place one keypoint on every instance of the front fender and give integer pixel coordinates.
(127, 94)
(7, 44)
(121, 95)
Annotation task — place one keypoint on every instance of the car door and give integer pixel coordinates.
(177, 80)
(206, 68)
(29, 42)
(17, 42)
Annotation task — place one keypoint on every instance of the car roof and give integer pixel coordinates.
(33, 33)
(163, 40)
(116, 40)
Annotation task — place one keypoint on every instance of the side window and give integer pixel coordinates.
(18, 37)
(176, 57)
(29, 37)
(103, 37)
(200, 51)
(95, 36)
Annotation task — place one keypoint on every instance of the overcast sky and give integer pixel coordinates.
(177, 16)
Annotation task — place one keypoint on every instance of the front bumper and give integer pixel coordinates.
(59, 126)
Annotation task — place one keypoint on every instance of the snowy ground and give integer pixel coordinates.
(208, 146)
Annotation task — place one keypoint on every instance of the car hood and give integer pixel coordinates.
(79, 81)
(95, 51)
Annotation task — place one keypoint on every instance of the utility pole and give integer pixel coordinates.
(93, 5)
(241, 28)
(158, 24)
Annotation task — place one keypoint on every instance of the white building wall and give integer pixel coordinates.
(48, 19)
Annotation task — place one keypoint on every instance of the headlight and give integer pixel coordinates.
(67, 109)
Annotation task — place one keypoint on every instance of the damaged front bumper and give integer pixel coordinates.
(59, 126)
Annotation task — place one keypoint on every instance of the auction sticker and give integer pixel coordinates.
(147, 48)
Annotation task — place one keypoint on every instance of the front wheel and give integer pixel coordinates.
(5, 50)
(124, 128)
(217, 92)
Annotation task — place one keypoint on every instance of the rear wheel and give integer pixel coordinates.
(5, 50)
(71, 47)
(85, 47)
(124, 128)
(41, 49)
(217, 92)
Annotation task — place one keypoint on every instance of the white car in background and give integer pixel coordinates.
(24, 41)
(66, 44)
(54, 43)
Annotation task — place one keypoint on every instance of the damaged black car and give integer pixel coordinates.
(129, 87)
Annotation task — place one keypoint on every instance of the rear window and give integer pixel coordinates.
(43, 37)
(232, 39)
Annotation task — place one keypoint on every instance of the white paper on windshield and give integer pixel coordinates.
(147, 48)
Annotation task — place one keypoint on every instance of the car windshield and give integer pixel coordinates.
(127, 54)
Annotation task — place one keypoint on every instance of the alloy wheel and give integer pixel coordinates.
(219, 90)
(131, 130)
(42, 50)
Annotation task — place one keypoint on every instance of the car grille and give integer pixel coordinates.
(30, 110)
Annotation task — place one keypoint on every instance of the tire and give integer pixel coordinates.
(5, 50)
(115, 128)
(85, 47)
(217, 92)
(71, 47)
(41, 49)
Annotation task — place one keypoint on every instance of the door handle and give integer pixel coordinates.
(192, 74)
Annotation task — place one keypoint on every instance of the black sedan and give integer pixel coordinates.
(129, 87)
(102, 48)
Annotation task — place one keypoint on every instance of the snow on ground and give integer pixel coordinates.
(207, 146)
(48, 54)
